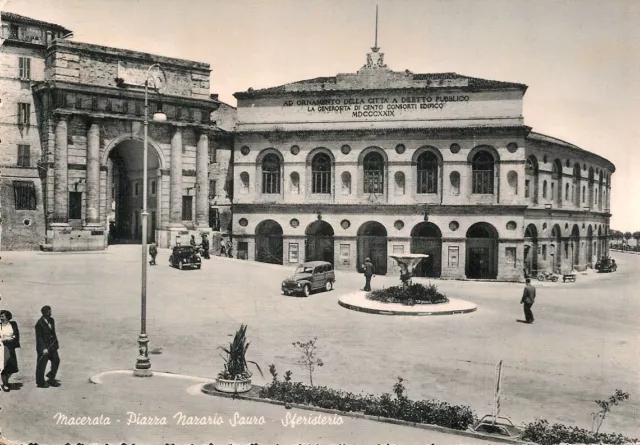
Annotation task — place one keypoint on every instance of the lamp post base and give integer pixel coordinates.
(143, 364)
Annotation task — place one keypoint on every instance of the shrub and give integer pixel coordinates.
(401, 407)
(414, 294)
(544, 433)
(235, 362)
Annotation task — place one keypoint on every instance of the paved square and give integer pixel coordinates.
(583, 345)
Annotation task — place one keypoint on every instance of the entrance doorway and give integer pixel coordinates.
(482, 251)
(269, 242)
(426, 238)
(124, 200)
(372, 244)
(531, 250)
(319, 242)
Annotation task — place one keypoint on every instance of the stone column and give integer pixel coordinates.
(61, 175)
(93, 174)
(202, 181)
(175, 194)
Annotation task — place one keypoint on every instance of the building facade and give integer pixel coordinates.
(379, 162)
(85, 130)
(22, 64)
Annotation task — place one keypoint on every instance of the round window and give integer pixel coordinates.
(243, 222)
(245, 150)
(399, 225)
(511, 225)
(345, 149)
(345, 224)
(294, 223)
(26, 222)
(295, 150)
(455, 148)
(454, 225)
(400, 148)
(512, 147)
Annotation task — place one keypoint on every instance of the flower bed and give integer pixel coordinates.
(414, 294)
(544, 433)
(422, 411)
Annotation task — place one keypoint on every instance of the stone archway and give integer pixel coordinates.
(531, 250)
(591, 248)
(269, 242)
(319, 243)
(575, 247)
(372, 243)
(556, 251)
(482, 251)
(125, 190)
(426, 238)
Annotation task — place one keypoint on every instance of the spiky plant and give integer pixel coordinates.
(235, 366)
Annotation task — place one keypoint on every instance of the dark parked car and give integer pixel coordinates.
(308, 277)
(606, 264)
(184, 256)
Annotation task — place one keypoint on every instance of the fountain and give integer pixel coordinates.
(408, 263)
(358, 301)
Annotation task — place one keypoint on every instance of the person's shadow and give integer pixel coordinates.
(15, 386)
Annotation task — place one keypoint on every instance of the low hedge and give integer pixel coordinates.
(399, 407)
(414, 294)
(544, 433)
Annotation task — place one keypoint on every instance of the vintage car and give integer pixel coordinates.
(184, 256)
(308, 277)
(606, 264)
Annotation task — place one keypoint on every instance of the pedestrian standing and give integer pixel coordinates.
(205, 247)
(229, 247)
(9, 341)
(193, 241)
(47, 349)
(153, 251)
(223, 248)
(528, 297)
(367, 268)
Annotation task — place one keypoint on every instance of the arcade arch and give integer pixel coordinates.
(482, 251)
(372, 244)
(426, 238)
(269, 242)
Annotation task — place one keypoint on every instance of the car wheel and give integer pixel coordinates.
(180, 265)
(328, 286)
(554, 278)
(198, 266)
(306, 290)
(541, 277)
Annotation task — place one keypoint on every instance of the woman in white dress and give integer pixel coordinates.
(10, 339)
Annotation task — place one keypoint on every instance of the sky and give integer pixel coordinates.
(580, 58)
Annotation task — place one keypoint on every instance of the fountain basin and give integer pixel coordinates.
(358, 301)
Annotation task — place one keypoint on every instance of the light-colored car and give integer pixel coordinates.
(308, 277)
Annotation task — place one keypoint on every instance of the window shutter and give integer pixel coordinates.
(21, 70)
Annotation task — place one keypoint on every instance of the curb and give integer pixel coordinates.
(417, 313)
(209, 390)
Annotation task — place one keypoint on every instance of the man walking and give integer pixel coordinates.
(205, 247)
(153, 251)
(528, 297)
(47, 349)
(368, 273)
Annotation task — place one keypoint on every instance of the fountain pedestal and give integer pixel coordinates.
(408, 263)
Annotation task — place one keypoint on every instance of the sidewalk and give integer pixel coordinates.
(135, 410)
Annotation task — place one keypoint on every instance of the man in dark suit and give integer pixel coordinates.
(367, 268)
(528, 298)
(47, 349)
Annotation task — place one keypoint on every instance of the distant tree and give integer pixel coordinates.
(627, 236)
(636, 236)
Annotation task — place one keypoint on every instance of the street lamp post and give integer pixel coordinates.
(143, 364)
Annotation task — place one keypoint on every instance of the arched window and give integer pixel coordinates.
(482, 166)
(373, 173)
(531, 179)
(271, 174)
(321, 174)
(427, 173)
